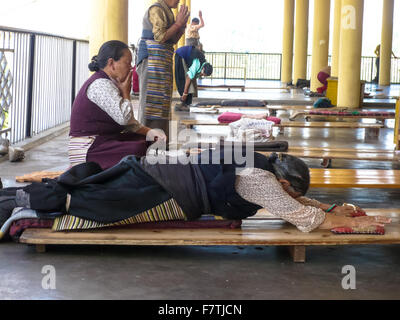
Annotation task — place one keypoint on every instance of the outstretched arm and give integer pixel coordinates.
(262, 188)
(201, 25)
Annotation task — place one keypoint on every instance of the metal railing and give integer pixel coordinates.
(267, 66)
(47, 71)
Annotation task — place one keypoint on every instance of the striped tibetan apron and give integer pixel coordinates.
(160, 77)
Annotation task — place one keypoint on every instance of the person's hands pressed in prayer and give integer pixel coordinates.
(182, 16)
(125, 86)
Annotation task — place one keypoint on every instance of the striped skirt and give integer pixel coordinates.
(159, 84)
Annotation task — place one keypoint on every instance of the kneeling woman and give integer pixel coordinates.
(103, 110)
(276, 183)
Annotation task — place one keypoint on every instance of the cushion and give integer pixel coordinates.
(229, 117)
(18, 227)
(208, 103)
(243, 103)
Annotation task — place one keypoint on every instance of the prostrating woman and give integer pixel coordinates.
(103, 126)
(154, 61)
(210, 183)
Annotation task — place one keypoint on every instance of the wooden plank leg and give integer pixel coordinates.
(298, 253)
(40, 248)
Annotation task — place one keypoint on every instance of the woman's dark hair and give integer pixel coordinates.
(111, 49)
(291, 169)
(196, 21)
(208, 69)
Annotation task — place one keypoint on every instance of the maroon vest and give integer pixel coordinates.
(88, 118)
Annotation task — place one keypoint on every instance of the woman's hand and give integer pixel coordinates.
(184, 97)
(343, 211)
(347, 210)
(125, 86)
(332, 221)
(182, 16)
(363, 222)
(156, 135)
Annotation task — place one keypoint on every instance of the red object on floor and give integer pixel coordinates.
(229, 117)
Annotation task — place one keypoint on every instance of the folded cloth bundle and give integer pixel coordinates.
(367, 230)
(229, 117)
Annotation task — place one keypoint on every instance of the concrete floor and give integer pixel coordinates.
(207, 273)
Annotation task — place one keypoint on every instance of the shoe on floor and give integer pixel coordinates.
(182, 107)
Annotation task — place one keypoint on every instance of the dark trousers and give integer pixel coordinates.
(180, 78)
(377, 63)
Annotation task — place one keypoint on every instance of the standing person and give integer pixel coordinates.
(192, 33)
(135, 77)
(190, 63)
(377, 62)
(154, 63)
(322, 77)
(103, 110)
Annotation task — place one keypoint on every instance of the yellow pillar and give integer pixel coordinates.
(386, 43)
(350, 53)
(181, 41)
(287, 46)
(301, 40)
(336, 39)
(174, 87)
(320, 51)
(109, 21)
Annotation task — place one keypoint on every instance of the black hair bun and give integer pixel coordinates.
(94, 65)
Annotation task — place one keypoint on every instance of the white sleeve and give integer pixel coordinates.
(262, 188)
(105, 94)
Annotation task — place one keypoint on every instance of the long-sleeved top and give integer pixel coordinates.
(105, 94)
(160, 18)
(262, 188)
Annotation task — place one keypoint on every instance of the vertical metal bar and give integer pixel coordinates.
(73, 71)
(32, 41)
(225, 67)
(372, 68)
